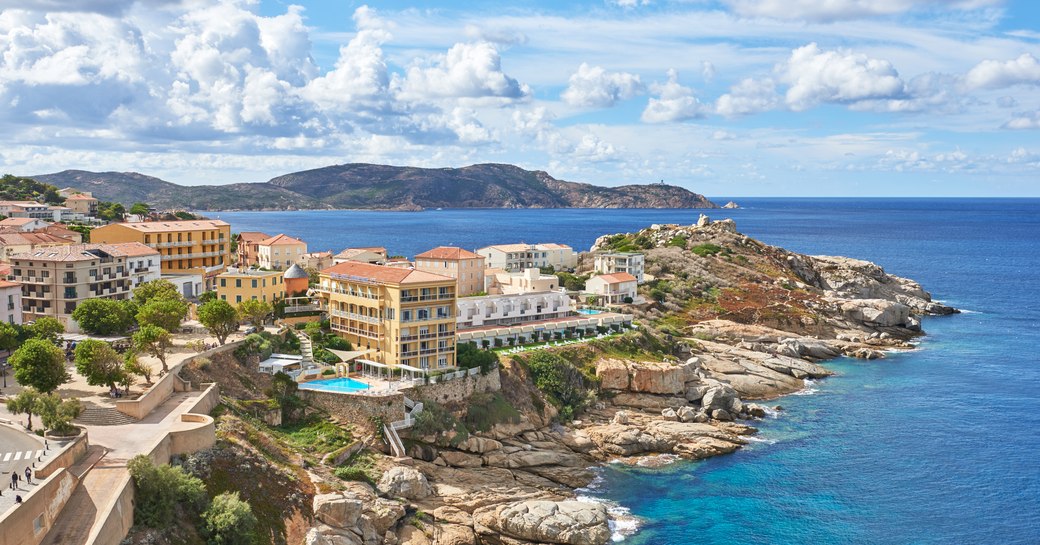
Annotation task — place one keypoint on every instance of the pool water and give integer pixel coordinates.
(335, 385)
(589, 311)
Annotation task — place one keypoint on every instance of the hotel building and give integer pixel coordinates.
(194, 246)
(462, 265)
(517, 257)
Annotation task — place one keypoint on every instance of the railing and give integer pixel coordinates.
(356, 331)
(172, 244)
(354, 316)
(220, 240)
(189, 256)
(396, 446)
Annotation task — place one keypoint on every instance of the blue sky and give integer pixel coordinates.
(725, 97)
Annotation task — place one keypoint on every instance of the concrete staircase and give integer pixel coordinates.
(306, 347)
(96, 415)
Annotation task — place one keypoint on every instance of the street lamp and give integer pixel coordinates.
(3, 370)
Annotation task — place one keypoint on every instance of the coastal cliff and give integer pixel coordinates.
(380, 187)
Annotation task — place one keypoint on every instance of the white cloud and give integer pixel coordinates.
(832, 10)
(748, 97)
(594, 87)
(629, 4)
(471, 70)
(841, 76)
(991, 74)
(707, 70)
(674, 102)
(360, 75)
(1028, 120)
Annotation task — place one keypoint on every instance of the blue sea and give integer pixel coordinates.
(940, 445)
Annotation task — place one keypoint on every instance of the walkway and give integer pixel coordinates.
(19, 450)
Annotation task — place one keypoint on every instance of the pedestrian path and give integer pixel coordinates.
(19, 455)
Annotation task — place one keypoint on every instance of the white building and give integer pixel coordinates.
(621, 262)
(517, 257)
(491, 310)
(498, 281)
(190, 285)
(11, 302)
(280, 252)
(612, 289)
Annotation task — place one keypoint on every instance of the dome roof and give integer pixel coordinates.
(296, 271)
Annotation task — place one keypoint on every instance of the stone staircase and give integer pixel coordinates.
(306, 347)
(95, 415)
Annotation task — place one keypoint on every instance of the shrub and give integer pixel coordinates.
(561, 382)
(57, 415)
(706, 249)
(627, 300)
(229, 521)
(485, 410)
(338, 343)
(160, 489)
(469, 356)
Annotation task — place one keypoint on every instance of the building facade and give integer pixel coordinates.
(316, 260)
(237, 285)
(499, 282)
(248, 250)
(464, 266)
(403, 316)
(11, 302)
(613, 289)
(491, 310)
(621, 262)
(517, 257)
(373, 255)
(82, 204)
(192, 247)
(55, 280)
(280, 252)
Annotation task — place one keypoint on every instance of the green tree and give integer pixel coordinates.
(155, 341)
(160, 489)
(207, 296)
(284, 391)
(229, 521)
(255, 311)
(165, 313)
(139, 209)
(40, 364)
(99, 363)
(469, 356)
(8, 336)
(561, 382)
(46, 328)
(220, 318)
(24, 403)
(57, 415)
(156, 289)
(132, 366)
(105, 316)
(111, 211)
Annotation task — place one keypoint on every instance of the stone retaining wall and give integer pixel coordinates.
(28, 523)
(358, 409)
(457, 390)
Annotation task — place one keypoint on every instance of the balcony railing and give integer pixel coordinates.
(377, 335)
(172, 244)
(355, 316)
(220, 240)
(189, 256)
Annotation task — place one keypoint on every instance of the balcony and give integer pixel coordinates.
(355, 316)
(193, 255)
(173, 244)
(377, 335)
(220, 240)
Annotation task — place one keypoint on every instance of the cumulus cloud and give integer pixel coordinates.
(749, 96)
(832, 10)
(817, 76)
(594, 87)
(992, 74)
(360, 76)
(471, 70)
(674, 102)
(1027, 120)
(110, 7)
(628, 4)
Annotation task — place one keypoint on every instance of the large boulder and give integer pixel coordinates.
(612, 374)
(544, 521)
(383, 514)
(876, 312)
(405, 482)
(479, 445)
(337, 510)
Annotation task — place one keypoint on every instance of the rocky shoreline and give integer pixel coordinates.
(516, 483)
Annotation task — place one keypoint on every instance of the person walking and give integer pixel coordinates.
(14, 480)
(28, 475)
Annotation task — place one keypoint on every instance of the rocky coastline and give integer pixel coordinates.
(774, 317)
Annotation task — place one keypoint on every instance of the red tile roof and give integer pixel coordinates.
(280, 239)
(252, 237)
(617, 278)
(448, 252)
(384, 275)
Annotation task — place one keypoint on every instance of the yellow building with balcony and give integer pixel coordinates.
(235, 286)
(200, 247)
(405, 316)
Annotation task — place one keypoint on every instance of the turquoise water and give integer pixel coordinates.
(935, 446)
(589, 311)
(335, 385)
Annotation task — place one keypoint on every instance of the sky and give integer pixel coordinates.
(722, 97)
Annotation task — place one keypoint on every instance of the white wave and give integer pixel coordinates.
(771, 412)
(808, 390)
(756, 439)
(659, 460)
(621, 521)
(966, 311)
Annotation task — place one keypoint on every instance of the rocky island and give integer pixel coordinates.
(729, 324)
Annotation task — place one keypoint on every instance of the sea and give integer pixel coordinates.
(939, 445)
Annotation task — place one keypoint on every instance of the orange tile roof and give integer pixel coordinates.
(448, 252)
(173, 226)
(280, 240)
(79, 197)
(354, 252)
(384, 275)
(252, 237)
(617, 278)
(18, 221)
(80, 252)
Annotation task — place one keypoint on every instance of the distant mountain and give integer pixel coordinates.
(384, 187)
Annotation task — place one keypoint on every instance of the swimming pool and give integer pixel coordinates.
(335, 385)
(589, 311)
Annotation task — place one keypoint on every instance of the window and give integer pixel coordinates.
(254, 285)
(223, 282)
(238, 282)
(223, 297)
(406, 315)
(238, 298)
(70, 293)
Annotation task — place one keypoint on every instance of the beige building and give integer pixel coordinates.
(517, 257)
(280, 252)
(237, 285)
(617, 262)
(82, 204)
(17, 243)
(531, 280)
(404, 316)
(25, 225)
(192, 247)
(316, 260)
(11, 302)
(371, 255)
(613, 289)
(55, 280)
(462, 265)
(248, 251)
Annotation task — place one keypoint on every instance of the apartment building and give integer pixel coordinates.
(612, 289)
(193, 247)
(248, 247)
(513, 309)
(464, 266)
(17, 243)
(55, 280)
(373, 255)
(237, 285)
(517, 257)
(82, 204)
(24, 225)
(280, 252)
(404, 316)
(499, 282)
(316, 260)
(11, 302)
(621, 262)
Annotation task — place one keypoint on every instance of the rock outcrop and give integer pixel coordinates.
(563, 522)
(404, 482)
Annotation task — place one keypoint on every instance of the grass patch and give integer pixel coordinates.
(706, 249)
(485, 410)
(315, 435)
(359, 467)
